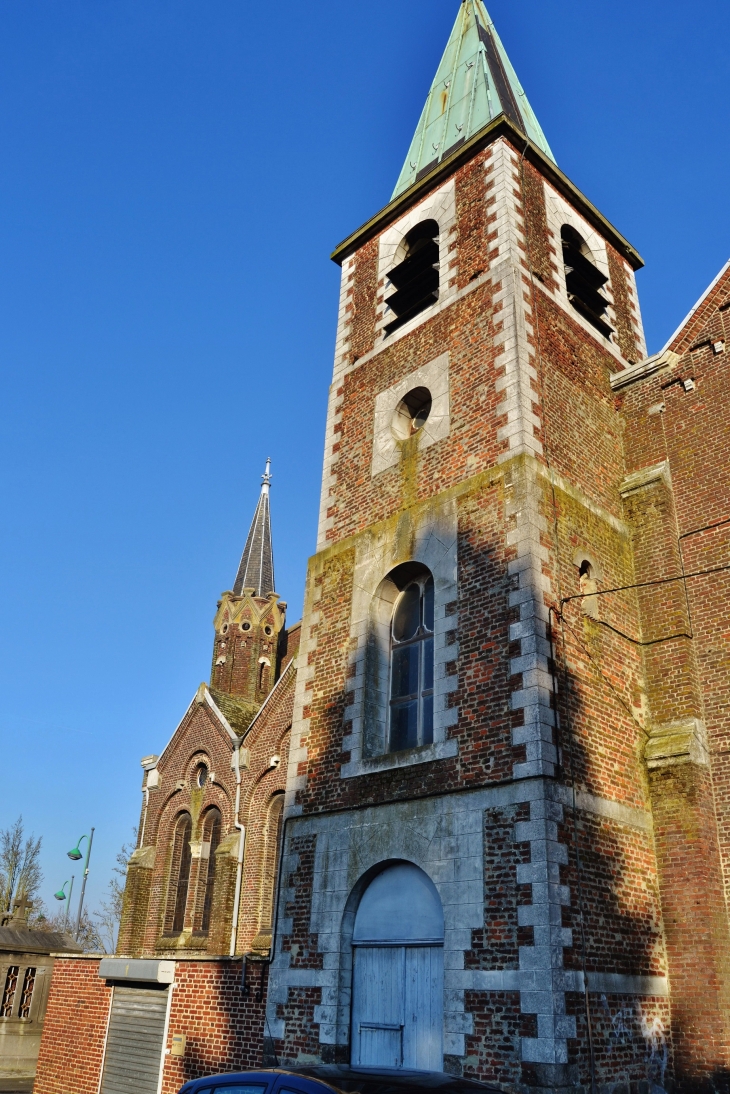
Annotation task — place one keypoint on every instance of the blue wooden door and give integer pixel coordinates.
(397, 1007)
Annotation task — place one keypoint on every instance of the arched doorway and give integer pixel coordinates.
(398, 972)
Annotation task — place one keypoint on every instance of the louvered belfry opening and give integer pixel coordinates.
(584, 281)
(416, 278)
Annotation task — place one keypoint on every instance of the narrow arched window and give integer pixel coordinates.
(180, 873)
(416, 278)
(411, 665)
(583, 280)
(272, 839)
(212, 828)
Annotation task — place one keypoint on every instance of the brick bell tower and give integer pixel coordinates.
(250, 620)
(471, 820)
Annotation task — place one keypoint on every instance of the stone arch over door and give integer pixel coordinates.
(398, 972)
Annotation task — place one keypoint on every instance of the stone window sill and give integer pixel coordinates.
(440, 750)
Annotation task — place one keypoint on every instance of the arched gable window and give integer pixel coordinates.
(583, 280)
(416, 278)
(179, 873)
(212, 829)
(272, 840)
(411, 664)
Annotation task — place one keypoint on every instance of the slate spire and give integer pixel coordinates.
(256, 570)
(474, 84)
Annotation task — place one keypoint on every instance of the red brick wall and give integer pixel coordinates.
(539, 245)
(302, 1032)
(224, 1026)
(688, 676)
(496, 945)
(493, 1049)
(201, 735)
(72, 1047)
(632, 1041)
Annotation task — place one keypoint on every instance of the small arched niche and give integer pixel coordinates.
(398, 972)
(416, 276)
(589, 576)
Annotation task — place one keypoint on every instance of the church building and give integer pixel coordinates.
(473, 814)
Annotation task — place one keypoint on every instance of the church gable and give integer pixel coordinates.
(708, 323)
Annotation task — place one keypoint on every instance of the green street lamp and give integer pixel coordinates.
(61, 895)
(75, 855)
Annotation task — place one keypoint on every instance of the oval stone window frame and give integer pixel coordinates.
(412, 413)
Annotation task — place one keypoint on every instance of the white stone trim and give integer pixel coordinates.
(334, 404)
(560, 212)
(444, 836)
(428, 536)
(441, 207)
(658, 361)
(435, 377)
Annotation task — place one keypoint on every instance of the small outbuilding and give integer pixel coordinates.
(26, 966)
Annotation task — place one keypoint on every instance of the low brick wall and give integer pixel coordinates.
(72, 1046)
(224, 1026)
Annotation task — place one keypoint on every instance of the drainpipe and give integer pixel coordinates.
(241, 846)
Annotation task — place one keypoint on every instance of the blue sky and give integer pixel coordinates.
(174, 174)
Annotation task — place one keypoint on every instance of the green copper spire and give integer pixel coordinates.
(475, 83)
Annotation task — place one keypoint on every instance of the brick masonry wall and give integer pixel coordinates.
(300, 943)
(223, 1025)
(632, 1042)
(493, 1049)
(148, 897)
(624, 308)
(540, 247)
(695, 917)
(301, 1043)
(77, 1015)
(496, 945)
(616, 897)
(677, 437)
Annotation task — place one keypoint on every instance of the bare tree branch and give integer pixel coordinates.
(20, 871)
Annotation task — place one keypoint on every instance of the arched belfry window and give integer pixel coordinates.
(416, 277)
(411, 665)
(398, 972)
(179, 874)
(212, 830)
(583, 280)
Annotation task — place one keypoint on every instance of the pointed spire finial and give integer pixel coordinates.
(266, 477)
(256, 569)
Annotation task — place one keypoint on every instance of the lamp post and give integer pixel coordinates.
(75, 855)
(61, 895)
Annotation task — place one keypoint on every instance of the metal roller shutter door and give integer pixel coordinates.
(135, 1041)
